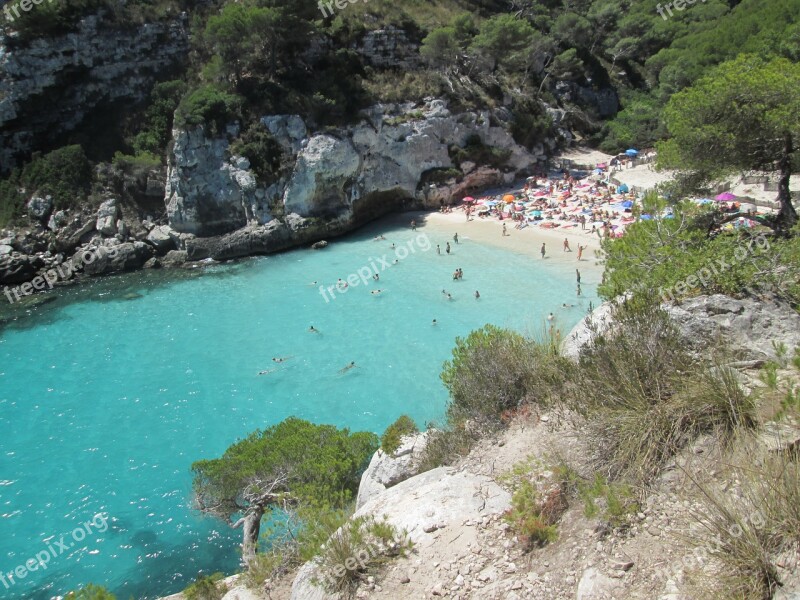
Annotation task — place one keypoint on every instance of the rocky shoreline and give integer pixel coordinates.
(209, 204)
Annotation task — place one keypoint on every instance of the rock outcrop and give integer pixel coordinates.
(751, 328)
(387, 470)
(343, 177)
(420, 506)
(50, 86)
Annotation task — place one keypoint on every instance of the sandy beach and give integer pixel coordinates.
(526, 241)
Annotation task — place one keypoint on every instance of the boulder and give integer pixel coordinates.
(161, 238)
(581, 334)
(107, 216)
(596, 586)
(387, 470)
(39, 207)
(420, 505)
(19, 268)
(121, 257)
(748, 325)
(57, 220)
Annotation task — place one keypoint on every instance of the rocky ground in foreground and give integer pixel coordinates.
(465, 549)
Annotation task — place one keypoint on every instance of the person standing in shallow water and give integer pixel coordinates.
(543, 250)
(578, 276)
(455, 237)
(413, 225)
(447, 248)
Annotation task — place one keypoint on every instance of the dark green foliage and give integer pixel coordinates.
(324, 464)
(65, 174)
(494, 371)
(11, 201)
(209, 587)
(476, 151)
(157, 130)
(403, 426)
(675, 258)
(262, 150)
(91, 592)
(209, 106)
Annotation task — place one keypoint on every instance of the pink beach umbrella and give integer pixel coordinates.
(468, 199)
(725, 197)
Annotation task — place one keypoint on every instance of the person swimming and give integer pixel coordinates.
(477, 295)
(281, 359)
(313, 329)
(345, 369)
(565, 305)
(449, 297)
(341, 284)
(375, 292)
(433, 322)
(550, 317)
(267, 371)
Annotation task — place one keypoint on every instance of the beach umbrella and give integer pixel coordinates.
(645, 217)
(509, 198)
(725, 197)
(627, 204)
(469, 199)
(598, 171)
(601, 165)
(631, 152)
(623, 189)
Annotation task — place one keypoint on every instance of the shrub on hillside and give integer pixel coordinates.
(390, 440)
(645, 396)
(262, 150)
(494, 371)
(90, 592)
(208, 587)
(209, 106)
(65, 173)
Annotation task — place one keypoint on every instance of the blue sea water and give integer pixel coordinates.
(109, 393)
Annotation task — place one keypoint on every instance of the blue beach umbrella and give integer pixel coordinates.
(627, 204)
(623, 189)
(632, 152)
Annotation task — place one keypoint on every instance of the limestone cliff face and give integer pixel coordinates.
(343, 177)
(50, 86)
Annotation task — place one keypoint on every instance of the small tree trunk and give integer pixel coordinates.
(251, 527)
(787, 216)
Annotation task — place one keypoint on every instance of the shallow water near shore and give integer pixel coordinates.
(109, 393)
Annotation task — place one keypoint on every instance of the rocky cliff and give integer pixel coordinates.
(337, 179)
(49, 87)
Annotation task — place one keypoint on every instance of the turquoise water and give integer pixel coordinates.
(108, 394)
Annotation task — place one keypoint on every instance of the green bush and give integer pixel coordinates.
(494, 372)
(262, 150)
(11, 201)
(474, 150)
(533, 516)
(358, 548)
(403, 426)
(158, 118)
(642, 407)
(208, 587)
(209, 106)
(65, 173)
(677, 258)
(90, 592)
